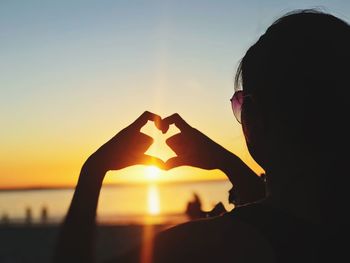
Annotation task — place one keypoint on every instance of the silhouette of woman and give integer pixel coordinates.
(292, 102)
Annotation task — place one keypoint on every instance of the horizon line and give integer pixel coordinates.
(122, 184)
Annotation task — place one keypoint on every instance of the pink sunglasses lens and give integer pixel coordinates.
(236, 102)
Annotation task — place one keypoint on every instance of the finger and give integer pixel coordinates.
(163, 127)
(177, 120)
(145, 117)
(176, 161)
(177, 143)
(142, 142)
(158, 122)
(151, 160)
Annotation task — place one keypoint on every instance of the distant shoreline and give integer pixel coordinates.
(69, 187)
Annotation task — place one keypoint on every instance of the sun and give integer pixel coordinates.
(152, 173)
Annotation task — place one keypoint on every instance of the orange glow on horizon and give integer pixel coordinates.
(57, 165)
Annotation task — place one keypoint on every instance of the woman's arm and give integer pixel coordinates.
(76, 241)
(248, 187)
(77, 236)
(195, 149)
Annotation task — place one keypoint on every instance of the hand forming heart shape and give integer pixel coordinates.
(192, 148)
(128, 147)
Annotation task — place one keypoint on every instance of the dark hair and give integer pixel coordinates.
(298, 73)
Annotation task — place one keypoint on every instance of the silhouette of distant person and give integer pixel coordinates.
(44, 215)
(217, 210)
(28, 215)
(5, 219)
(194, 209)
(291, 98)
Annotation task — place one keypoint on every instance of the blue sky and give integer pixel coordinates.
(75, 72)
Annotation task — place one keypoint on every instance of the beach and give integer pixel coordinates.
(21, 243)
(30, 219)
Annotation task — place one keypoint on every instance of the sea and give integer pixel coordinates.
(118, 204)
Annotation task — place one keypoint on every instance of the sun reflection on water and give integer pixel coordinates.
(153, 201)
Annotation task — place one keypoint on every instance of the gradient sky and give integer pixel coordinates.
(73, 73)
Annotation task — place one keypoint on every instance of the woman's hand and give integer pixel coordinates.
(192, 147)
(126, 148)
(76, 242)
(195, 149)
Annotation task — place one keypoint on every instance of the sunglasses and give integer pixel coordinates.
(236, 104)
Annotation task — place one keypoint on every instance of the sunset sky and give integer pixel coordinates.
(74, 73)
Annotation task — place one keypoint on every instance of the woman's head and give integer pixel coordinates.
(295, 81)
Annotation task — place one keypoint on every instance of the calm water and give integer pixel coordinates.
(117, 204)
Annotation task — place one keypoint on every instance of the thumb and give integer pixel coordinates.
(176, 162)
(151, 160)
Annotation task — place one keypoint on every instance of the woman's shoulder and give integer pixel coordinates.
(224, 238)
(214, 239)
(209, 227)
(230, 225)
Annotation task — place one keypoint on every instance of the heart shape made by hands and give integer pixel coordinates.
(160, 134)
(192, 148)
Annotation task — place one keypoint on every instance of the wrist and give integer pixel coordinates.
(93, 169)
(226, 161)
